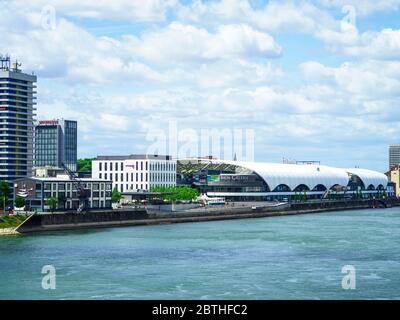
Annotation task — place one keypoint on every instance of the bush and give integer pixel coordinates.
(179, 193)
(116, 195)
(52, 203)
(19, 202)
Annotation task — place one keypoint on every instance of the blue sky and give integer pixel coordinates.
(313, 79)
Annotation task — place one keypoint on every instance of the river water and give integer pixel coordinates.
(292, 257)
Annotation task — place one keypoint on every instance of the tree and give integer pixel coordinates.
(52, 203)
(177, 193)
(19, 202)
(85, 165)
(116, 195)
(4, 191)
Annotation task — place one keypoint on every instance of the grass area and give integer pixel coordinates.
(12, 221)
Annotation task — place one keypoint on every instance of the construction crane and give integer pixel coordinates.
(82, 192)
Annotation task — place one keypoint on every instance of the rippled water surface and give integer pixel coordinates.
(293, 257)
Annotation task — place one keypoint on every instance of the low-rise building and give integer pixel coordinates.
(136, 172)
(252, 181)
(395, 178)
(37, 190)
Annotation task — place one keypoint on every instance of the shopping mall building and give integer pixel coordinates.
(249, 181)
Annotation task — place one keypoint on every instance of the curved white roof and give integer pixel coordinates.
(293, 175)
(369, 177)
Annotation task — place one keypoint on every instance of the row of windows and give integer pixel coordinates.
(13, 136)
(14, 80)
(13, 114)
(154, 176)
(119, 166)
(19, 121)
(121, 176)
(153, 166)
(73, 194)
(20, 93)
(12, 142)
(14, 86)
(17, 173)
(13, 150)
(127, 187)
(61, 186)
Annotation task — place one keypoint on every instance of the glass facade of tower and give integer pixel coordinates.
(56, 143)
(16, 121)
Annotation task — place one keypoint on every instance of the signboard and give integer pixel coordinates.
(48, 122)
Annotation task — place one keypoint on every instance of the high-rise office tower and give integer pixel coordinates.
(17, 95)
(56, 143)
(394, 155)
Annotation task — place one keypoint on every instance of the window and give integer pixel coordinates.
(146, 176)
(111, 166)
(141, 165)
(137, 176)
(122, 166)
(105, 176)
(100, 176)
(116, 177)
(122, 177)
(141, 176)
(100, 166)
(146, 165)
(105, 166)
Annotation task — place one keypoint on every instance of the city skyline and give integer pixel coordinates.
(314, 80)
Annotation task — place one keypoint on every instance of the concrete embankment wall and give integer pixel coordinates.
(92, 219)
(7, 231)
(131, 217)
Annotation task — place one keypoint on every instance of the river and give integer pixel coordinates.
(290, 257)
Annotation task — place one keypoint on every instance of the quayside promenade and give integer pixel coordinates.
(140, 216)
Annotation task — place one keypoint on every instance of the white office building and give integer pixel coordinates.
(135, 172)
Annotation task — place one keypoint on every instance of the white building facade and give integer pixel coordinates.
(135, 172)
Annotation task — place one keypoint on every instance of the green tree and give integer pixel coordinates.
(177, 193)
(4, 192)
(116, 195)
(19, 202)
(52, 203)
(85, 165)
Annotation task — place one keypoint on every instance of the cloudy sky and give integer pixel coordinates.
(315, 80)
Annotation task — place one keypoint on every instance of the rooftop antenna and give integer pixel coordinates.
(5, 62)
(16, 64)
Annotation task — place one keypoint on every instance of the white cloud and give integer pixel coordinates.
(178, 43)
(364, 7)
(283, 16)
(131, 10)
(384, 44)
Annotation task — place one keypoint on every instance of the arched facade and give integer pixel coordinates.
(283, 179)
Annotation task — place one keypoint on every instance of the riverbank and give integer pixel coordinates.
(8, 223)
(8, 232)
(139, 216)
